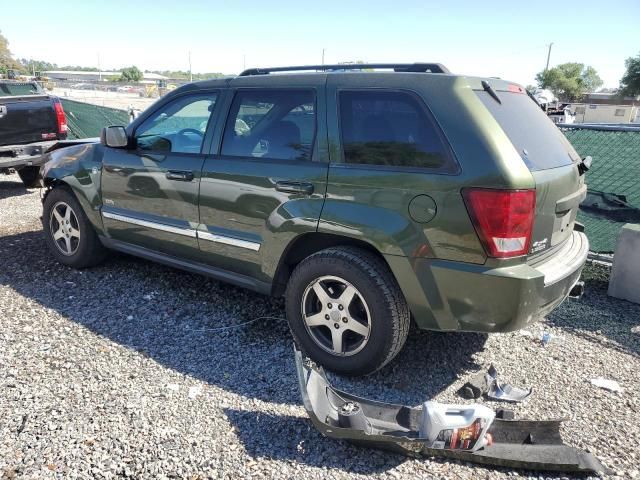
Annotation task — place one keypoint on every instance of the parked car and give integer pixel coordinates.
(84, 86)
(30, 122)
(127, 89)
(366, 198)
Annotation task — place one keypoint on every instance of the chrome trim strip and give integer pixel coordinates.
(236, 242)
(187, 232)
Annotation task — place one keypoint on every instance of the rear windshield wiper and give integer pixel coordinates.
(489, 89)
(532, 97)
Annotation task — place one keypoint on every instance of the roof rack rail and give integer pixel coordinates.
(396, 67)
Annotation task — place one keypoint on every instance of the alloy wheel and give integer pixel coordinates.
(336, 316)
(64, 228)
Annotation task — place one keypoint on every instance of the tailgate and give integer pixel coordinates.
(26, 119)
(549, 157)
(559, 192)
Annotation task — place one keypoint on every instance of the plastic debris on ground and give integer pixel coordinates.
(487, 384)
(607, 384)
(426, 431)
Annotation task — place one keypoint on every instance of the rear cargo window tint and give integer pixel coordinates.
(389, 128)
(538, 141)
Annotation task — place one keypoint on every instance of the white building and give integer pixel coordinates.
(82, 76)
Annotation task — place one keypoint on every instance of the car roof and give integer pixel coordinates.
(301, 73)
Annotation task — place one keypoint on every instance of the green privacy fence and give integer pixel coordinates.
(613, 181)
(87, 120)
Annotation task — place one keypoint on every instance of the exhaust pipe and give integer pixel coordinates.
(577, 290)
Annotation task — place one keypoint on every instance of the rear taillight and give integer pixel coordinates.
(61, 119)
(502, 218)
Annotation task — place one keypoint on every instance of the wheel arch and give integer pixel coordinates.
(307, 244)
(79, 169)
(87, 196)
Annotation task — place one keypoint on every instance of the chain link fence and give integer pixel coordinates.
(613, 180)
(86, 120)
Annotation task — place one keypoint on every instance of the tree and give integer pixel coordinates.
(630, 82)
(131, 74)
(569, 81)
(78, 68)
(31, 65)
(6, 59)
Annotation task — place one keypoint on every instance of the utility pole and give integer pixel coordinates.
(323, 56)
(244, 62)
(99, 70)
(548, 57)
(190, 73)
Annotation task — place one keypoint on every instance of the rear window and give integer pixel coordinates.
(538, 141)
(390, 128)
(19, 89)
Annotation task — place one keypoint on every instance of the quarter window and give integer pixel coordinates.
(389, 128)
(179, 126)
(271, 124)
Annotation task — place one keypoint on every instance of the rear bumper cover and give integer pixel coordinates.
(531, 445)
(445, 295)
(31, 154)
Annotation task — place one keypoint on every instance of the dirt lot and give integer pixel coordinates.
(119, 371)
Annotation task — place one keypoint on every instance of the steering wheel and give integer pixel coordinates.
(184, 131)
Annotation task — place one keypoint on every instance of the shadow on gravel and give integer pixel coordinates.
(11, 189)
(174, 318)
(596, 312)
(270, 437)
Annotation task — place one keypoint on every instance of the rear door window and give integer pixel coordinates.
(538, 141)
(271, 124)
(391, 128)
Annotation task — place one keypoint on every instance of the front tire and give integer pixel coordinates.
(68, 232)
(346, 311)
(30, 176)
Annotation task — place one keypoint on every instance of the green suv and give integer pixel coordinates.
(367, 195)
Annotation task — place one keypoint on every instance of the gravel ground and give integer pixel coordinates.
(116, 371)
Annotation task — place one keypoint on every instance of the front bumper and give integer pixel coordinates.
(445, 295)
(525, 444)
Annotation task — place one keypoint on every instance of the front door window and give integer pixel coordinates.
(179, 127)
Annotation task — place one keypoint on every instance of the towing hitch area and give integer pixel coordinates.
(471, 433)
(577, 291)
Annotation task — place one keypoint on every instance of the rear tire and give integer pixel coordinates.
(69, 234)
(30, 176)
(346, 311)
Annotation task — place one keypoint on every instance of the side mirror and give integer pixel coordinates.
(114, 137)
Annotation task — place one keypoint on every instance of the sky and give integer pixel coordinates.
(507, 39)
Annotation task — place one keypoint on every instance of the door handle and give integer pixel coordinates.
(179, 175)
(287, 186)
